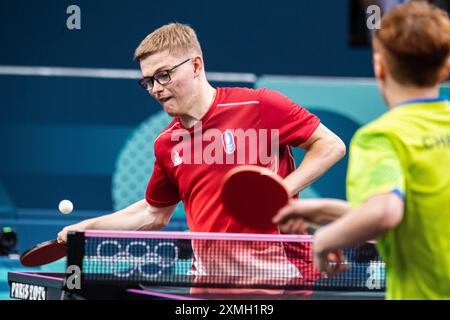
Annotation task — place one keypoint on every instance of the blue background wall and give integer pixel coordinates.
(264, 37)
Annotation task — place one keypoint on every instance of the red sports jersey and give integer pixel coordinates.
(242, 126)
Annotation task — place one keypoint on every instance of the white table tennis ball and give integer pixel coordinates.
(65, 206)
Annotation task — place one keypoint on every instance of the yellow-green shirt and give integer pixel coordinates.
(407, 151)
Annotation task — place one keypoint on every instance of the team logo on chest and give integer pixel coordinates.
(228, 142)
(176, 159)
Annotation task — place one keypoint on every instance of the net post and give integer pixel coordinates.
(75, 254)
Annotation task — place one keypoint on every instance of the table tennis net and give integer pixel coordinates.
(222, 261)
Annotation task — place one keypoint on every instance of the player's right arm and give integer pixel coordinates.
(317, 211)
(138, 216)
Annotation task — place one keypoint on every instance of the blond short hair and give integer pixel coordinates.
(177, 38)
(415, 37)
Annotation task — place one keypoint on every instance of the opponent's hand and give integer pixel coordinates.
(330, 263)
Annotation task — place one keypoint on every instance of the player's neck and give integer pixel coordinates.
(397, 94)
(199, 106)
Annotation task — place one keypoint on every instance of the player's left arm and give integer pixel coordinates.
(323, 149)
(376, 190)
(373, 218)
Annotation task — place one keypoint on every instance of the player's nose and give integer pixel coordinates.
(157, 88)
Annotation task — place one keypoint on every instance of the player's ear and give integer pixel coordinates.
(379, 66)
(198, 65)
(445, 72)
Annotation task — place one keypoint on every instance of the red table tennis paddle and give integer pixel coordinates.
(253, 195)
(43, 253)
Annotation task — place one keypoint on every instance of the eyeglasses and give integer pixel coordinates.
(162, 77)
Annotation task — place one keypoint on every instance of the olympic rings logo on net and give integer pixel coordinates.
(140, 257)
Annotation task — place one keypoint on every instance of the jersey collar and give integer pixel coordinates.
(441, 98)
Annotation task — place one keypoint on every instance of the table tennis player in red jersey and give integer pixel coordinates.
(213, 131)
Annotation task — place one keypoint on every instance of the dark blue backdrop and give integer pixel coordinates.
(263, 37)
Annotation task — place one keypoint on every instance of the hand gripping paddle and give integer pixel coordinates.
(43, 253)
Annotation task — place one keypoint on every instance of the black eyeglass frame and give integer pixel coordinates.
(147, 83)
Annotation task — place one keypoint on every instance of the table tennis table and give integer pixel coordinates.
(199, 266)
(50, 286)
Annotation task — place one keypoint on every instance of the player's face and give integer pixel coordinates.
(176, 86)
